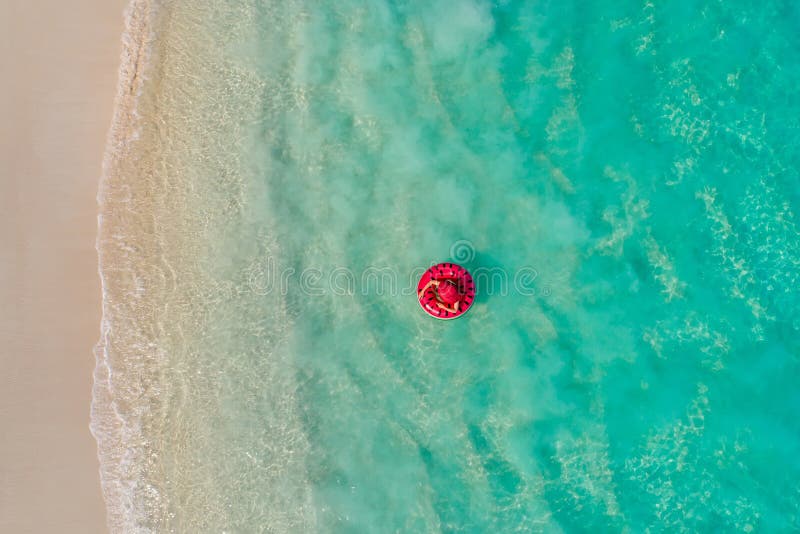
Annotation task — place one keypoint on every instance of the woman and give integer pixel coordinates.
(447, 294)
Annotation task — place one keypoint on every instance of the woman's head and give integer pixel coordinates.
(448, 292)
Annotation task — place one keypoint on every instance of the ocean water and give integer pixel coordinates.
(620, 177)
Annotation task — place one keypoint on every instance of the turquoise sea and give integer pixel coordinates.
(622, 179)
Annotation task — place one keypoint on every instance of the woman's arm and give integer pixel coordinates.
(429, 284)
(444, 306)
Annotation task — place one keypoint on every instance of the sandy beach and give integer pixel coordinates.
(60, 65)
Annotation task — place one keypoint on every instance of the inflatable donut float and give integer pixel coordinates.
(446, 291)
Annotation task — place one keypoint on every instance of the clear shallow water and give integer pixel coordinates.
(635, 162)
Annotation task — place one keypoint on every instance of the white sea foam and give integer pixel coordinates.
(194, 407)
(110, 427)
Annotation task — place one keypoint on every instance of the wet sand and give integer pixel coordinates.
(59, 62)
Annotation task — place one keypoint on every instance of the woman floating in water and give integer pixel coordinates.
(446, 294)
(446, 291)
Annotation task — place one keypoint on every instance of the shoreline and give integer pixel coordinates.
(64, 67)
(157, 321)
